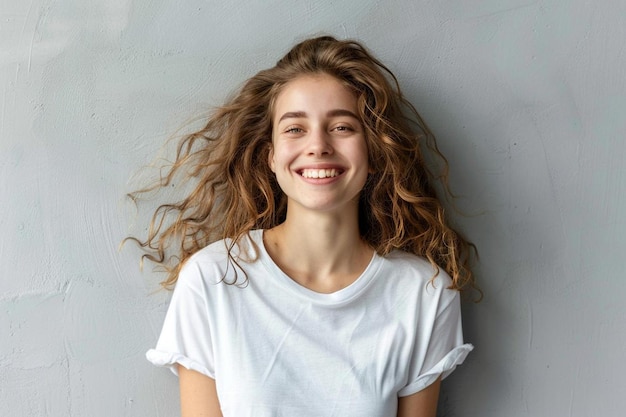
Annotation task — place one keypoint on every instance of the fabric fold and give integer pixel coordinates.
(170, 360)
(443, 368)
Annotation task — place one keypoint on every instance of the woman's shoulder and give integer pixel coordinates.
(221, 250)
(416, 270)
(414, 282)
(215, 252)
(219, 258)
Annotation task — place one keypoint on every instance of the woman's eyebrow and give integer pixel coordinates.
(330, 113)
(341, 112)
(292, 115)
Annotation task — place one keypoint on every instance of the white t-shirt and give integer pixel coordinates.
(276, 348)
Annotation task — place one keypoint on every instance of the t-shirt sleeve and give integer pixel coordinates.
(185, 338)
(440, 348)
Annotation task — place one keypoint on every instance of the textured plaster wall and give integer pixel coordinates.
(527, 99)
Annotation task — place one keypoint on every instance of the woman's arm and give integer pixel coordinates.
(421, 404)
(198, 396)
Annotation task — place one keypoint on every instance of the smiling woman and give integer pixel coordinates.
(314, 270)
(318, 152)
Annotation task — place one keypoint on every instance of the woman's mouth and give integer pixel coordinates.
(320, 173)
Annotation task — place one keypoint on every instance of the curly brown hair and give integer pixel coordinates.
(235, 191)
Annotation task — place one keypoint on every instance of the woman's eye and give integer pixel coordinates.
(293, 130)
(343, 128)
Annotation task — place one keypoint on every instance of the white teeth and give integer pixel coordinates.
(319, 173)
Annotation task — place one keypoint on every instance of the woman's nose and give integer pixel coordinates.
(319, 143)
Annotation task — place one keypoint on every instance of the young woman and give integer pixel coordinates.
(314, 271)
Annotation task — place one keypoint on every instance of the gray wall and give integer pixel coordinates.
(526, 98)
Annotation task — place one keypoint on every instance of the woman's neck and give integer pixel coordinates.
(322, 252)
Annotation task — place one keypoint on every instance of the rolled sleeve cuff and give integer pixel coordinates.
(170, 360)
(443, 368)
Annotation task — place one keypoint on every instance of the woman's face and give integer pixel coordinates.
(319, 154)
